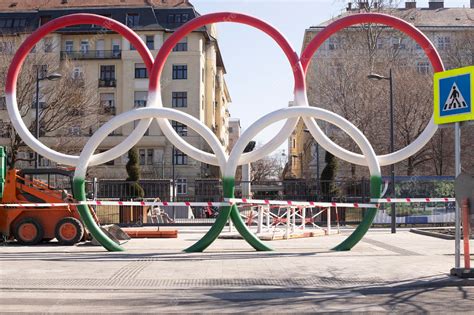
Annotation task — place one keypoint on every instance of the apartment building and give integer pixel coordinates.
(192, 81)
(450, 29)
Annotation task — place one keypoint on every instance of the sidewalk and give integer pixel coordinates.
(157, 272)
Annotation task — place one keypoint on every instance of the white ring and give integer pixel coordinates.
(303, 111)
(144, 113)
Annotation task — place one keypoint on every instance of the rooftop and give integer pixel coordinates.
(34, 5)
(424, 17)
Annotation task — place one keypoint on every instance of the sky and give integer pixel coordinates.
(258, 74)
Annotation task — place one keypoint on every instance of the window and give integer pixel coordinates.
(4, 129)
(132, 47)
(180, 99)
(12, 23)
(180, 158)
(3, 103)
(380, 43)
(77, 73)
(398, 43)
(84, 46)
(181, 186)
(44, 19)
(146, 156)
(332, 43)
(140, 98)
(423, 67)
(116, 48)
(133, 19)
(444, 42)
(150, 42)
(178, 18)
(107, 102)
(43, 71)
(69, 46)
(294, 143)
(19, 23)
(6, 47)
(181, 129)
(182, 45)
(74, 131)
(107, 73)
(180, 72)
(48, 45)
(141, 71)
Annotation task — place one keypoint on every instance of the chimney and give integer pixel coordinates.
(436, 4)
(412, 4)
(349, 6)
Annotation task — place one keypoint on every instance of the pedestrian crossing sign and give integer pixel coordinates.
(453, 95)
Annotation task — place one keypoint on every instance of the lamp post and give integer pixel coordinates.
(173, 156)
(51, 77)
(374, 76)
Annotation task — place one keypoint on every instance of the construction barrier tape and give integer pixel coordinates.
(412, 200)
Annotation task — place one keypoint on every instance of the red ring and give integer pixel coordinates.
(201, 21)
(70, 20)
(399, 24)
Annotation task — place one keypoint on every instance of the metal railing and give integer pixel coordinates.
(107, 83)
(91, 54)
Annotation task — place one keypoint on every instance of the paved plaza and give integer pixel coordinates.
(384, 273)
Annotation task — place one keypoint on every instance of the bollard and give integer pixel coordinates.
(260, 219)
(466, 231)
(288, 222)
(328, 211)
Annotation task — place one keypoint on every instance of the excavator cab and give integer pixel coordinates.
(55, 181)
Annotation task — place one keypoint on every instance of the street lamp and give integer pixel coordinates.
(51, 77)
(375, 76)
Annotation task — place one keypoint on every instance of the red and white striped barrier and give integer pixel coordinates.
(232, 201)
(118, 203)
(412, 200)
(300, 203)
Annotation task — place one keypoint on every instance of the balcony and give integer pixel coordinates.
(91, 54)
(108, 110)
(107, 83)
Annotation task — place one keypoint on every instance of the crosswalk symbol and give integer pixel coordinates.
(453, 95)
(455, 99)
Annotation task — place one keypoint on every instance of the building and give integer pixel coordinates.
(347, 58)
(193, 78)
(234, 132)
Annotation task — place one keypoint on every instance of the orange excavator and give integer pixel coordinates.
(33, 225)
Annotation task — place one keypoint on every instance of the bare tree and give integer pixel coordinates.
(340, 83)
(68, 107)
(268, 168)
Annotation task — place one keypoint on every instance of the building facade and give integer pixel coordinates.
(337, 80)
(192, 81)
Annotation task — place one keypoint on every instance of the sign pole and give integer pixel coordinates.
(457, 158)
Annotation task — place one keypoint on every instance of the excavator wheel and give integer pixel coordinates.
(69, 231)
(28, 231)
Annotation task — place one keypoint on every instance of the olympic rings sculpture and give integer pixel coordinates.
(227, 163)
